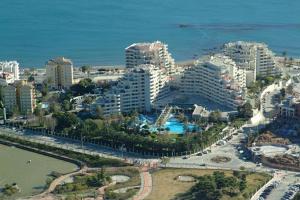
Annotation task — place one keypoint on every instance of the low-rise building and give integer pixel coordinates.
(109, 103)
(9, 72)
(289, 108)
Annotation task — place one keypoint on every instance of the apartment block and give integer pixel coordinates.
(9, 72)
(216, 78)
(9, 97)
(256, 58)
(141, 87)
(59, 72)
(19, 96)
(155, 53)
(109, 102)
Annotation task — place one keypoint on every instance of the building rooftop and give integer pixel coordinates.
(217, 60)
(147, 46)
(60, 61)
(246, 44)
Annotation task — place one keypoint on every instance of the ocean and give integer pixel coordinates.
(95, 32)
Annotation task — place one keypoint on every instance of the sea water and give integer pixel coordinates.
(97, 31)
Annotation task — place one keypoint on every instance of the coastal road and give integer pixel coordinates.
(75, 145)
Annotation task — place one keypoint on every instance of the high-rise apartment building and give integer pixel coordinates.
(9, 97)
(256, 58)
(26, 97)
(216, 78)
(141, 87)
(59, 73)
(19, 96)
(155, 53)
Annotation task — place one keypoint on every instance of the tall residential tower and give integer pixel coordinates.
(59, 73)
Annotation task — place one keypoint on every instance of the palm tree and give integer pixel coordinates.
(4, 111)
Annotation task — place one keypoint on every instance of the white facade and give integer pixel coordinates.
(252, 56)
(155, 53)
(9, 72)
(141, 87)
(216, 78)
(109, 102)
(59, 73)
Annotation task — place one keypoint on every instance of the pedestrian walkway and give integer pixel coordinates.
(146, 184)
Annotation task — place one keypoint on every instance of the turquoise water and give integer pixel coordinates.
(172, 124)
(177, 127)
(97, 31)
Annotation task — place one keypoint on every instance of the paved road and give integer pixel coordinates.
(74, 145)
(230, 150)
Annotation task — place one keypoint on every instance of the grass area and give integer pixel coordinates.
(86, 185)
(166, 187)
(134, 180)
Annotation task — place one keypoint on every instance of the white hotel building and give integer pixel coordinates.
(155, 53)
(141, 87)
(137, 90)
(9, 72)
(216, 78)
(256, 58)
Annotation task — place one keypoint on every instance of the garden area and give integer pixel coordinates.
(207, 184)
(122, 182)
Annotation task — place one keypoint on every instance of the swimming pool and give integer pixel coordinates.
(177, 127)
(173, 125)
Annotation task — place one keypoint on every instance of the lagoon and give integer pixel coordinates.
(30, 177)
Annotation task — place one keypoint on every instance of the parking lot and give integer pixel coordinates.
(286, 183)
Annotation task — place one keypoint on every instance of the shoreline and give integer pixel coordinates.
(78, 163)
(296, 59)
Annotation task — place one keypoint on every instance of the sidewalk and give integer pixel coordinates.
(146, 184)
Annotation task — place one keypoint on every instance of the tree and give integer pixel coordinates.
(215, 116)
(245, 110)
(50, 123)
(289, 89)
(88, 100)
(66, 105)
(243, 185)
(83, 87)
(282, 93)
(85, 68)
(99, 112)
(44, 89)
(65, 120)
(54, 107)
(31, 78)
